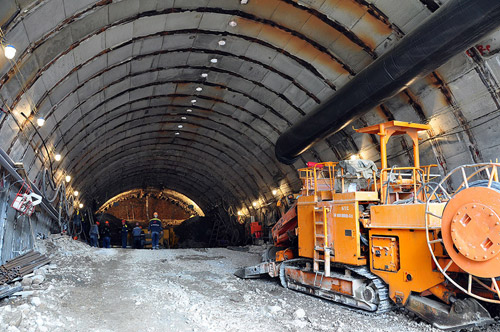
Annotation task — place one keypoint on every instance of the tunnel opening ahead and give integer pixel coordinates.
(124, 220)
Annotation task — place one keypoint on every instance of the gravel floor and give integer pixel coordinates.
(173, 290)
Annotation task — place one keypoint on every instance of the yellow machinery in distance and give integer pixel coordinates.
(371, 238)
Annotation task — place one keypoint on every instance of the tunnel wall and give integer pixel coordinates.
(104, 73)
(17, 232)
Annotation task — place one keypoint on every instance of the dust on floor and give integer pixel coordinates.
(111, 290)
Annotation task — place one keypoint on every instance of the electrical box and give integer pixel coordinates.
(385, 253)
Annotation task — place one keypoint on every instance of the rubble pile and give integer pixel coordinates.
(20, 312)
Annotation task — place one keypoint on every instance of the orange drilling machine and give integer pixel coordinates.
(373, 239)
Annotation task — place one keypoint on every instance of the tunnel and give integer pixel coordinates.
(207, 110)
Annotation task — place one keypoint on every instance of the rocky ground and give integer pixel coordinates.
(104, 290)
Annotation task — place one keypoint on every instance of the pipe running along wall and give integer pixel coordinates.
(452, 29)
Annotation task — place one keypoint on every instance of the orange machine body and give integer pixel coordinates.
(332, 221)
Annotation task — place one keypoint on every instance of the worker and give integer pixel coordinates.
(136, 234)
(94, 235)
(106, 235)
(124, 234)
(155, 228)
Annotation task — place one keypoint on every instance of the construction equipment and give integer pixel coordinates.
(373, 239)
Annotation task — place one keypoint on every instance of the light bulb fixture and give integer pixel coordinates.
(40, 121)
(244, 2)
(75, 193)
(221, 42)
(213, 60)
(80, 206)
(233, 23)
(177, 133)
(10, 52)
(189, 110)
(254, 204)
(275, 192)
(199, 89)
(183, 118)
(193, 101)
(204, 75)
(68, 178)
(57, 157)
(240, 213)
(179, 126)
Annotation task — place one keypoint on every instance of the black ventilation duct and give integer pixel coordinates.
(452, 29)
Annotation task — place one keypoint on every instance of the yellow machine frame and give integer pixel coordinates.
(329, 224)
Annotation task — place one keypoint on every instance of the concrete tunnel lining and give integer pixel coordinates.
(363, 45)
(112, 79)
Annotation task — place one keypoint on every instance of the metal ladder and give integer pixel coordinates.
(321, 240)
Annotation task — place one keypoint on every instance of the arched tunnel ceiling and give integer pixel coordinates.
(114, 80)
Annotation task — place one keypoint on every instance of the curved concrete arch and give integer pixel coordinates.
(309, 47)
(246, 178)
(349, 35)
(239, 186)
(97, 141)
(183, 179)
(187, 171)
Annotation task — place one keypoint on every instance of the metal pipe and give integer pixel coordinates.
(452, 29)
(8, 164)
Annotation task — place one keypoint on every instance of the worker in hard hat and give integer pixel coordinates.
(155, 228)
(136, 234)
(106, 235)
(94, 235)
(124, 234)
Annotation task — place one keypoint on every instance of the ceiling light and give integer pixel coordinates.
(75, 193)
(254, 204)
(80, 206)
(189, 110)
(183, 118)
(68, 178)
(40, 121)
(275, 192)
(177, 133)
(213, 60)
(193, 101)
(199, 88)
(233, 23)
(57, 157)
(222, 42)
(244, 2)
(10, 52)
(204, 75)
(179, 126)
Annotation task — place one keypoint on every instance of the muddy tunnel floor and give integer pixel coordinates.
(104, 290)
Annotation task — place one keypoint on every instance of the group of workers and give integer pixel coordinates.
(155, 228)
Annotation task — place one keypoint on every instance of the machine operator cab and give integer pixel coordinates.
(395, 185)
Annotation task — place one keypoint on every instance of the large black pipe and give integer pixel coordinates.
(452, 29)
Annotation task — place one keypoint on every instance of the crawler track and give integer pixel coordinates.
(359, 272)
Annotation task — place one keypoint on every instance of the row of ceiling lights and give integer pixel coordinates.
(10, 52)
(221, 42)
(256, 203)
(40, 122)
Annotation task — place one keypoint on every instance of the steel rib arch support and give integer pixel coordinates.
(130, 157)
